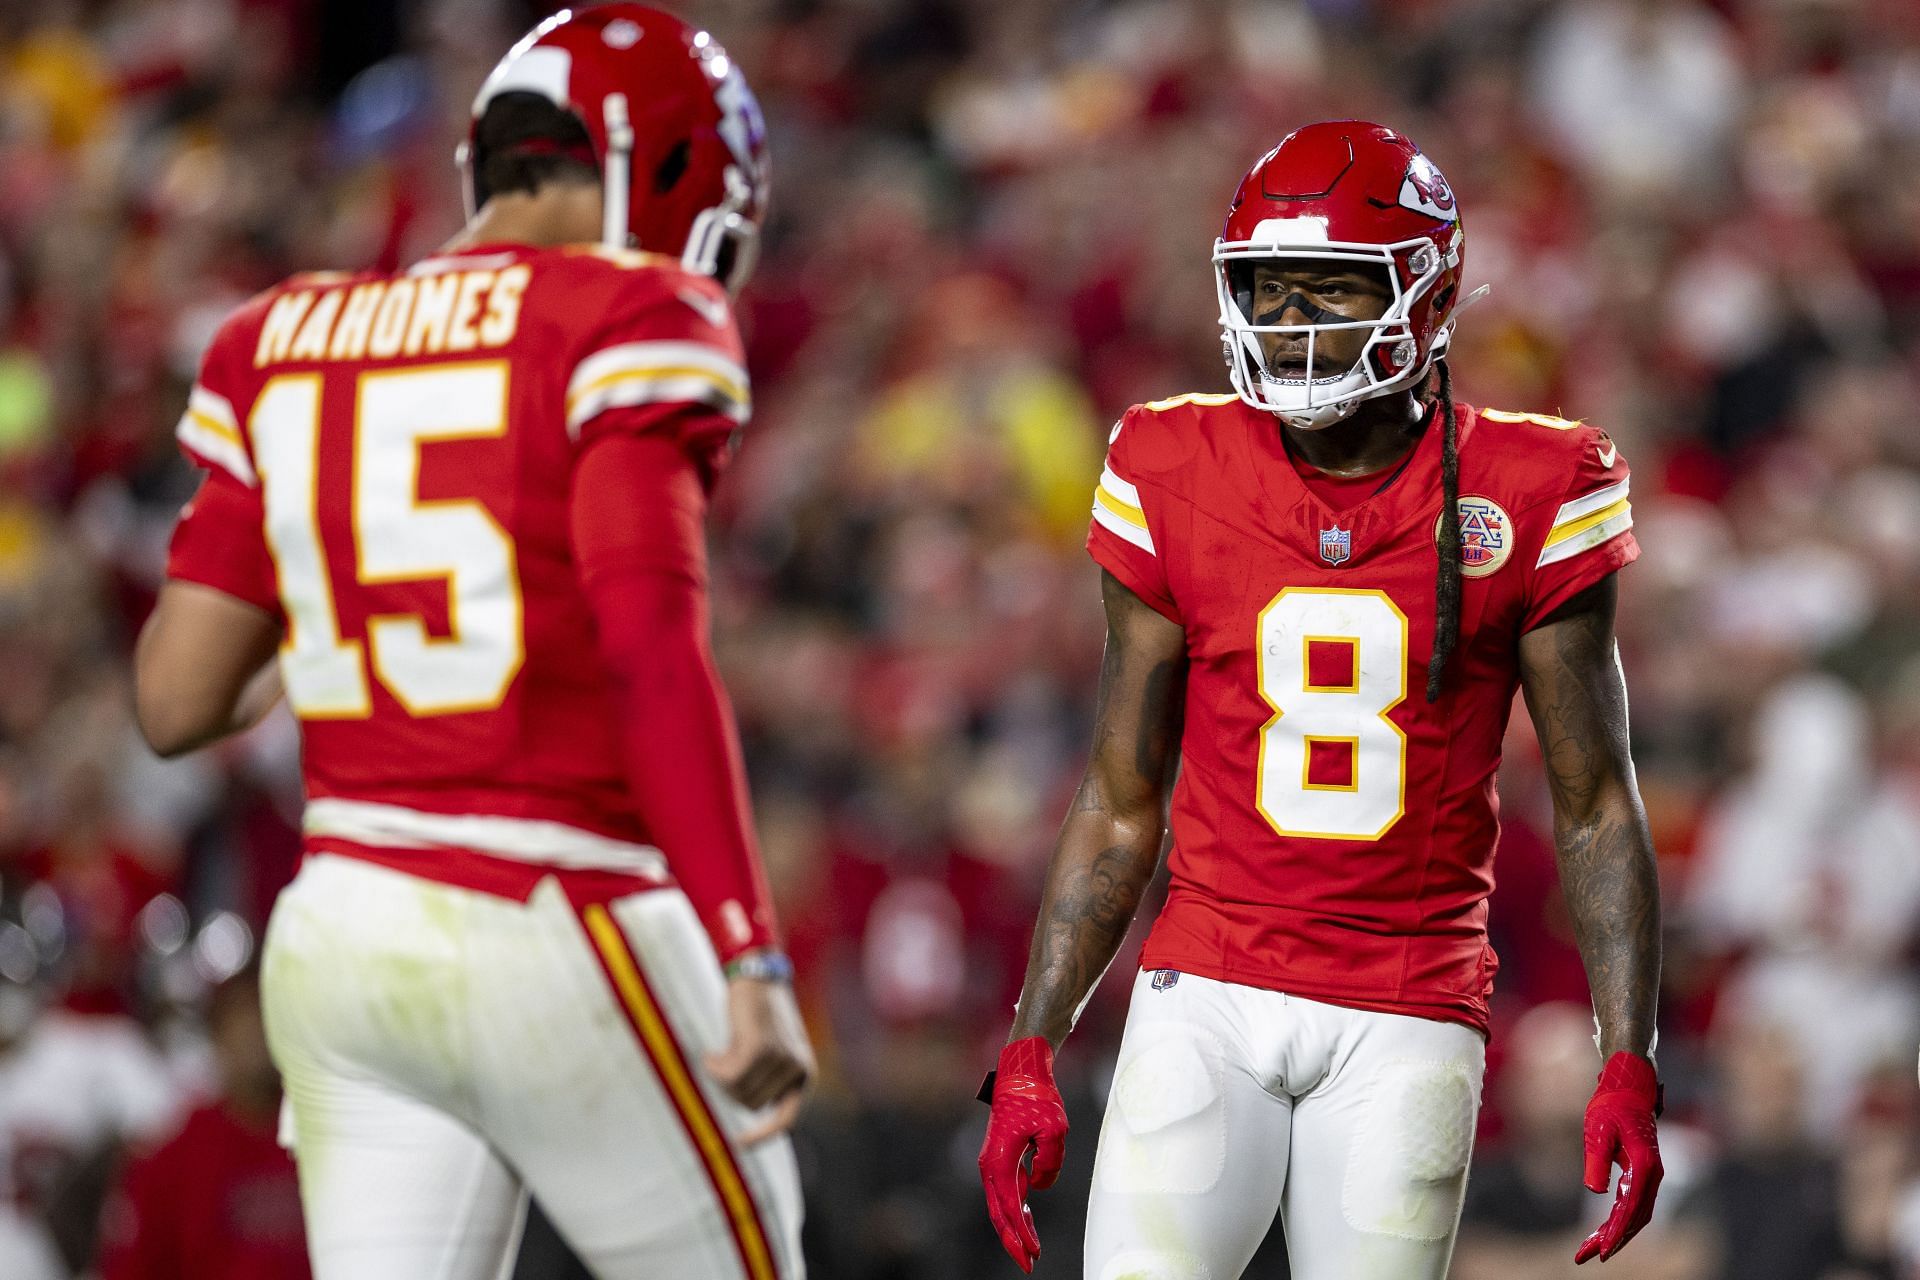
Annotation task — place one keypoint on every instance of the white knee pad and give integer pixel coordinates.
(1166, 1127)
(1155, 1264)
(1407, 1167)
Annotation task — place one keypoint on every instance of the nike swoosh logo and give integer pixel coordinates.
(1607, 455)
(713, 311)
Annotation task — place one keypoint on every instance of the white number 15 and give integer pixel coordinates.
(397, 537)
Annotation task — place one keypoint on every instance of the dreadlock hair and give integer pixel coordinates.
(1446, 635)
(525, 141)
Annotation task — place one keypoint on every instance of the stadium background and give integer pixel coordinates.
(1702, 227)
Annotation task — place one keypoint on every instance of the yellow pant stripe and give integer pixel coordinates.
(657, 1038)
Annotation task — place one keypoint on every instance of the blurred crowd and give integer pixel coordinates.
(1701, 225)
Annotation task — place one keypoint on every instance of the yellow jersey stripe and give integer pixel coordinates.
(212, 445)
(1581, 543)
(213, 426)
(1574, 528)
(1192, 397)
(1119, 506)
(661, 373)
(657, 1038)
(1548, 420)
(1135, 534)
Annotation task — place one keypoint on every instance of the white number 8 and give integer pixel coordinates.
(1362, 784)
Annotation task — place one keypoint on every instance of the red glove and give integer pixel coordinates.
(1028, 1116)
(1620, 1130)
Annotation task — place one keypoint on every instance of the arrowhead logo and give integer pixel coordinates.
(1425, 190)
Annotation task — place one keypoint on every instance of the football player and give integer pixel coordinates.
(530, 947)
(1322, 592)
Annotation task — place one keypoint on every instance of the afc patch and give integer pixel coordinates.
(1164, 978)
(1336, 545)
(1486, 535)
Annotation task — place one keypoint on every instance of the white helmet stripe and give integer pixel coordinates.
(542, 69)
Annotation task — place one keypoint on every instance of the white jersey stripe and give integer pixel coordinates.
(214, 406)
(213, 443)
(1119, 488)
(521, 839)
(1591, 503)
(640, 357)
(1121, 527)
(636, 373)
(622, 391)
(1587, 539)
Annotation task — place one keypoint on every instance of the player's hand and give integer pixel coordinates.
(1028, 1117)
(769, 1061)
(1620, 1130)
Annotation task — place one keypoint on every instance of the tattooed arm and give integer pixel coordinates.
(1570, 672)
(1110, 843)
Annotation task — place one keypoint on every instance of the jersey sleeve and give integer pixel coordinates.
(1591, 533)
(209, 430)
(220, 541)
(1125, 515)
(638, 539)
(664, 358)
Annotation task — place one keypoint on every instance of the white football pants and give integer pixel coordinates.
(1232, 1103)
(446, 1051)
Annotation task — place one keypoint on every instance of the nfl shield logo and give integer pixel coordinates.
(1164, 978)
(1336, 545)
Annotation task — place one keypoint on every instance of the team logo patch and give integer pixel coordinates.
(1486, 536)
(1336, 545)
(1164, 978)
(1424, 189)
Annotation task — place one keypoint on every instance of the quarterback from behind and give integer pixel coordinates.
(1322, 592)
(530, 948)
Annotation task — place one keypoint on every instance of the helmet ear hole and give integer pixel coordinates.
(1391, 359)
(672, 166)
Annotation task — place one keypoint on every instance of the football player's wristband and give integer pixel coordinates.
(761, 966)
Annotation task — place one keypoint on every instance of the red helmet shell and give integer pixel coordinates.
(1361, 183)
(677, 134)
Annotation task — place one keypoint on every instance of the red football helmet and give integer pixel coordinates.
(676, 133)
(1354, 192)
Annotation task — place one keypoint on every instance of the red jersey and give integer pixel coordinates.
(391, 461)
(1333, 832)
